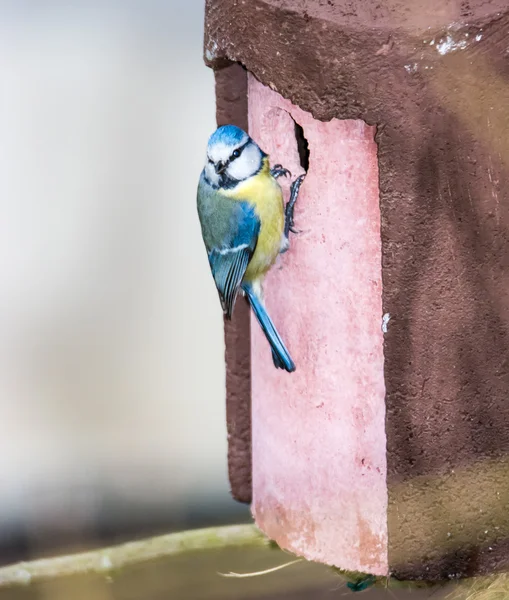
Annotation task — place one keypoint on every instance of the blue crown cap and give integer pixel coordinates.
(228, 135)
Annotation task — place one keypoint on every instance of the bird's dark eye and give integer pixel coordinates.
(235, 154)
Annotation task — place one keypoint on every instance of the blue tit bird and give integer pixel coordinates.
(245, 225)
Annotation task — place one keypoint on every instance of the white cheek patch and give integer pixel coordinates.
(211, 174)
(220, 152)
(247, 164)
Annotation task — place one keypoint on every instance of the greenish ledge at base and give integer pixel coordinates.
(357, 581)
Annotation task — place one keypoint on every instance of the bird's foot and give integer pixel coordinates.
(294, 194)
(278, 171)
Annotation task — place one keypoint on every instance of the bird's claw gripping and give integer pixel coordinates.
(294, 193)
(278, 171)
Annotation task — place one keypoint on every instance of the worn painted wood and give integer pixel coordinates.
(319, 462)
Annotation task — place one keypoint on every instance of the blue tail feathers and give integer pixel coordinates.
(280, 355)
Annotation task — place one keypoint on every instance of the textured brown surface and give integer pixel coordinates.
(231, 107)
(442, 114)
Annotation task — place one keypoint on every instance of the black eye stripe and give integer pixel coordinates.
(238, 151)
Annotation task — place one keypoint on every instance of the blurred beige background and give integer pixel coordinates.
(111, 348)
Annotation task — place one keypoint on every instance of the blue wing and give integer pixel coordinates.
(230, 229)
(229, 260)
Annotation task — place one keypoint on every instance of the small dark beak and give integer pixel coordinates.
(220, 167)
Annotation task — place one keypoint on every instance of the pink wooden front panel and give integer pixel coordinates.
(319, 465)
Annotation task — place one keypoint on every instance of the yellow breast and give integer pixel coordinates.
(263, 191)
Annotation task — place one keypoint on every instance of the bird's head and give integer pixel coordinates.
(232, 156)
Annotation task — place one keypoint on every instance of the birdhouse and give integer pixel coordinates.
(387, 450)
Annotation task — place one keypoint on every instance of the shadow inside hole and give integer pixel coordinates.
(302, 147)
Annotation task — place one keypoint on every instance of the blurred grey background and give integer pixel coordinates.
(111, 350)
(111, 347)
